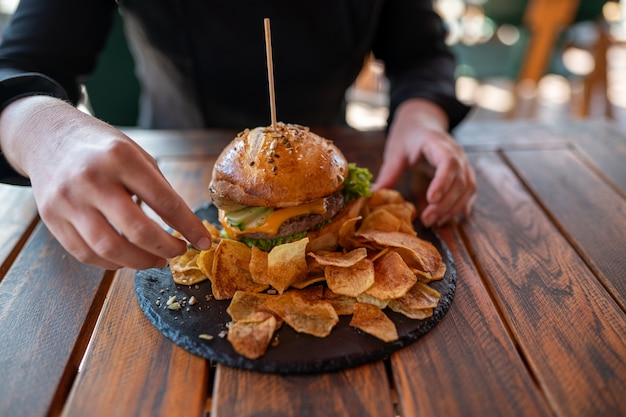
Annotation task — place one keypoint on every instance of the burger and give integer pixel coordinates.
(273, 185)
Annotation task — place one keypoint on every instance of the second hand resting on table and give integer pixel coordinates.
(86, 174)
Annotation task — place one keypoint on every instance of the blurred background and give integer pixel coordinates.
(529, 59)
(517, 59)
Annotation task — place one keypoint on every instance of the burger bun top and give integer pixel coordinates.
(282, 167)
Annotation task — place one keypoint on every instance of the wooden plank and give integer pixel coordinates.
(568, 329)
(599, 140)
(155, 376)
(588, 211)
(504, 134)
(18, 215)
(604, 146)
(159, 143)
(48, 308)
(362, 391)
(469, 348)
(132, 370)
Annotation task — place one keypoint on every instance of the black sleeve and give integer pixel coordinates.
(418, 63)
(49, 47)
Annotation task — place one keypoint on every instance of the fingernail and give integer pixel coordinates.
(204, 244)
(436, 198)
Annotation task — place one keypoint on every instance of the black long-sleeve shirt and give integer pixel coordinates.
(202, 63)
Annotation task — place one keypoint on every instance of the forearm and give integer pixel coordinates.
(419, 113)
(32, 129)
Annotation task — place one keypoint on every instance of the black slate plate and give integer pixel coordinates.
(296, 353)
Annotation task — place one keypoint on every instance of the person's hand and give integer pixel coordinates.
(87, 177)
(418, 135)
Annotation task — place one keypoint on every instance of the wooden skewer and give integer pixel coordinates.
(270, 70)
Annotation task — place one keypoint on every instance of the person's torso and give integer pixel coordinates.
(203, 63)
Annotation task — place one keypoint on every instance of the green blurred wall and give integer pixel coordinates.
(113, 88)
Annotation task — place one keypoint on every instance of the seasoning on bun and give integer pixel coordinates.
(274, 185)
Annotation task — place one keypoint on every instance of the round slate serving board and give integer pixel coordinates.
(295, 353)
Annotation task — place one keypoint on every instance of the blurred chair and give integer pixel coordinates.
(541, 26)
(546, 20)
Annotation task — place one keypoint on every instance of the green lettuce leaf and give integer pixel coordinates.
(357, 184)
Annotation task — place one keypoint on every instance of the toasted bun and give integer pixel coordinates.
(284, 167)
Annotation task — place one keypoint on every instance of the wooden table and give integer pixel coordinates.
(537, 326)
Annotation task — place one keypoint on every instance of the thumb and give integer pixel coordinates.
(393, 166)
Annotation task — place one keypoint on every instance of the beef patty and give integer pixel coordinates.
(333, 204)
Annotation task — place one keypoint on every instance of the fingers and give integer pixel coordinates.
(157, 193)
(452, 188)
(101, 245)
(137, 228)
(85, 196)
(394, 164)
(88, 205)
(451, 193)
(127, 238)
(71, 240)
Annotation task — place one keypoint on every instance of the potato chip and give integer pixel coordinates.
(205, 260)
(380, 220)
(251, 338)
(425, 276)
(352, 280)
(417, 253)
(354, 209)
(286, 264)
(304, 315)
(340, 259)
(185, 270)
(324, 239)
(231, 270)
(369, 299)
(374, 321)
(418, 303)
(343, 304)
(345, 237)
(373, 256)
(407, 228)
(314, 267)
(392, 278)
(309, 280)
(311, 293)
(314, 274)
(258, 266)
(421, 314)
(384, 196)
(186, 261)
(188, 277)
(424, 258)
(246, 306)
(405, 212)
(213, 230)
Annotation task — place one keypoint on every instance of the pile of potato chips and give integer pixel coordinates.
(368, 259)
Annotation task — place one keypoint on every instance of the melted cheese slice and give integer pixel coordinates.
(275, 219)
